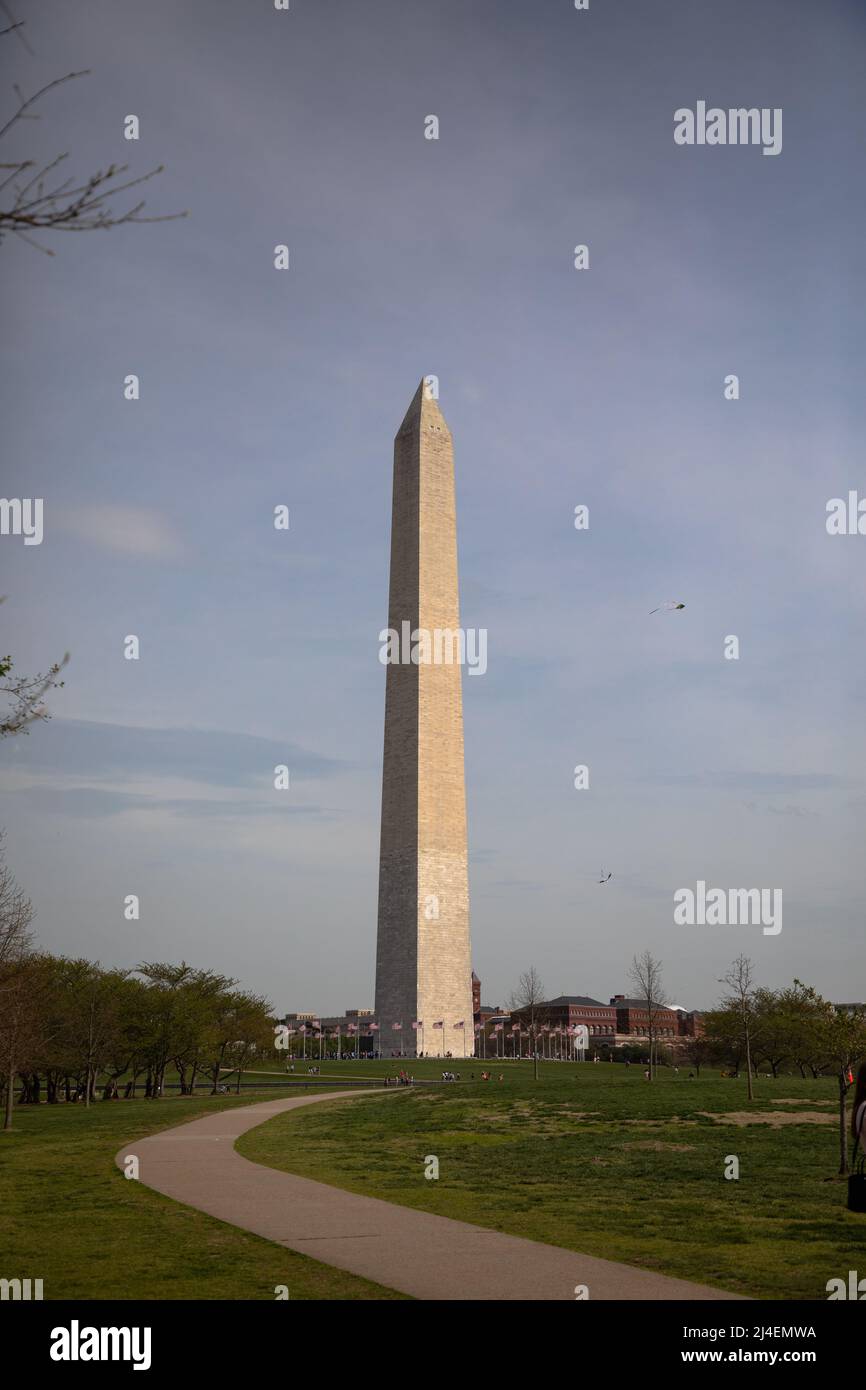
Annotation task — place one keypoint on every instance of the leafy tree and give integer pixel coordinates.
(842, 1043)
(773, 1038)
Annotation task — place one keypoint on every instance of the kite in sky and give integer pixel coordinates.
(667, 607)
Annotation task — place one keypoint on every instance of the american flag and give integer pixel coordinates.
(303, 1028)
(374, 1027)
(419, 1023)
(461, 1024)
(440, 1024)
(352, 1028)
(398, 1027)
(498, 1027)
(515, 1027)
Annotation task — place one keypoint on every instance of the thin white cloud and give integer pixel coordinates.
(132, 530)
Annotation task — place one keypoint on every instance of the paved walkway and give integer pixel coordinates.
(416, 1252)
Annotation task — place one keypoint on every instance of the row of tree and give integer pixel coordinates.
(69, 1028)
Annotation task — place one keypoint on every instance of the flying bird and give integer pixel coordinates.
(603, 879)
(667, 607)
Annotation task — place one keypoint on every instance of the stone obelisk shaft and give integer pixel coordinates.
(423, 963)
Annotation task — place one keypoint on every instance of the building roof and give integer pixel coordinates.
(582, 999)
(641, 1004)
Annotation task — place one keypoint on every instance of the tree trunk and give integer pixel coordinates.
(843, 1125)
(749, 1066)
(10, 1096)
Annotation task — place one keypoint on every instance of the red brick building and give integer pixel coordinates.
(476, 995)
(691, 1024)
(568, 1010)
(632, 1019)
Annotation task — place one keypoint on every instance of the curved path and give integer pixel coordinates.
(415, 1252)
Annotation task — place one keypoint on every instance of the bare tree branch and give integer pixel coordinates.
(84, 207)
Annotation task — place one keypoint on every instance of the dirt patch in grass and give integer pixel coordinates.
(799, 1100)
(673, 1123)
(774, 1118)
(567, 1114)
(658, 1146)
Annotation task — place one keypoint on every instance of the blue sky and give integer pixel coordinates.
(602, 387)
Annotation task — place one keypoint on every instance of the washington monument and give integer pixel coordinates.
(423, 964)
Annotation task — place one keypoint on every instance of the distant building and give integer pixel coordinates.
(571, 1010)
(476, 995)
(691, 1023)
(608, 1025)
(352, 1025)
(633, 1018)
(488, 1011)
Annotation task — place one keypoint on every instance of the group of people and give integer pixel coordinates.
(401, 1079)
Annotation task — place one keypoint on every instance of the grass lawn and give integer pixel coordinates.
(595, 1159)
(68, 1216)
